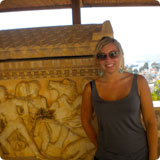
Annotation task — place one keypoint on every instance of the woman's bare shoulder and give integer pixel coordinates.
(128, 74)
(142, 84)
(87, 87)
(126, 77)
(141, 80)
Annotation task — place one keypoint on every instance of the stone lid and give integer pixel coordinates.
(52, 41)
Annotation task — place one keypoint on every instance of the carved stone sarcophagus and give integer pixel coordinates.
(42, 75)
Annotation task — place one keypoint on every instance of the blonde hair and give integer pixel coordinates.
(107, 40)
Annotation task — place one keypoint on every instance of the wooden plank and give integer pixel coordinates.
(122, 5)
(76, 16)
(5, 9)
(126, 3)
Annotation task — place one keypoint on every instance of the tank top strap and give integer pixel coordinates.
(91, 84)
(134, 84)
(93, 87)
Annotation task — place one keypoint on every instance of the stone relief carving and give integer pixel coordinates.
(68, 72)
(31, 127)
(43, 97)
(12, 117)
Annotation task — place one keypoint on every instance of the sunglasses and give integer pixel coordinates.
(112, 55)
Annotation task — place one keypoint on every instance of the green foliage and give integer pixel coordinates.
(156, 93)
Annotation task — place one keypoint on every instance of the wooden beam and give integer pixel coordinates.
(46, 58)
(76, 15)
(33, 8)
(122, 4)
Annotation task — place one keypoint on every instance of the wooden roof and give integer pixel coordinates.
(76, 40)
(21, 5)
(47, 36)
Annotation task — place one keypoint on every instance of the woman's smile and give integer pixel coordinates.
(109, 65)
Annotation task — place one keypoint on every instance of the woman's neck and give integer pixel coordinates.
(111, 77)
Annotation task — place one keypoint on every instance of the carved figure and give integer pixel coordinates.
(45, 131)
(67, 105)
(11, 111)
(66, 111)
(22, 90)
(39, 112)
(37, 103)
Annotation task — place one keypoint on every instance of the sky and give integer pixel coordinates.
(136, 28)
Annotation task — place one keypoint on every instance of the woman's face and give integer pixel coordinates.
(111, 63)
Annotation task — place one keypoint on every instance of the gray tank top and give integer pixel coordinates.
(120, 128)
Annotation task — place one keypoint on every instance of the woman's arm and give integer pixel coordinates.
(148, 116)
(87, 114)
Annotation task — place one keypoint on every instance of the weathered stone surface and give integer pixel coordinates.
(40, 111)
(40, 98)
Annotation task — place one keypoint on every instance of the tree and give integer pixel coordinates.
(135, 71)
(156, 93)
(146, 65)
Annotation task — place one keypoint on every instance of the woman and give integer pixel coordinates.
(118, 98)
